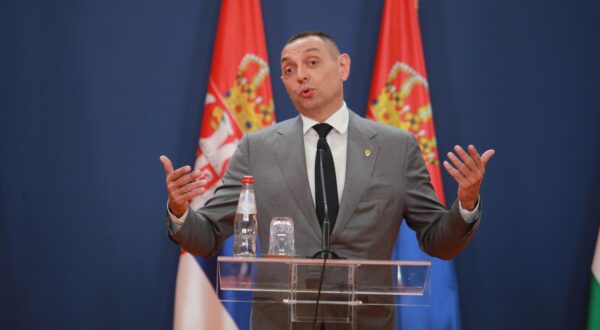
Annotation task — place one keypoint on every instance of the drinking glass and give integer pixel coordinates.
(281, 242)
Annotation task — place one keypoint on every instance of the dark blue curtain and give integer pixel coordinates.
(92, 92)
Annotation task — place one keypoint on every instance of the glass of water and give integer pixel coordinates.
(281, 242)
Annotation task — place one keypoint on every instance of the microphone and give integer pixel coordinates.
(326, 224)
(325, 252)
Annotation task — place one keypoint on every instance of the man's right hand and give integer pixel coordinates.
(183, 185)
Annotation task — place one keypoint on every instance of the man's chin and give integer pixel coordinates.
(307, 106)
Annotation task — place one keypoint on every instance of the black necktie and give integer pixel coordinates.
(329, 174)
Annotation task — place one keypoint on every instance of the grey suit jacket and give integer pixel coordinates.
(380, 190)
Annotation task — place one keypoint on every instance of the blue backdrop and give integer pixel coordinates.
(92, 92)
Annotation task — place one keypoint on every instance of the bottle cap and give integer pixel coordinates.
(247, 179)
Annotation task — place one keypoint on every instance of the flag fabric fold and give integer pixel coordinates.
(238, 100)
(399, 97)
(594, 308)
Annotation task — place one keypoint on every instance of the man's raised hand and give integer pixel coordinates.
(183, 185)
(468, 171)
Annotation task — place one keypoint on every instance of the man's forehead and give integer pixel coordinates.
(304, 45)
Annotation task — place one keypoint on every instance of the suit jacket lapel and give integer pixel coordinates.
(361, 155)
(293, 168)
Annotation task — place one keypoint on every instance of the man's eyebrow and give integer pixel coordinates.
(312, 49)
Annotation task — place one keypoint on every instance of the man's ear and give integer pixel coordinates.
(344, 66)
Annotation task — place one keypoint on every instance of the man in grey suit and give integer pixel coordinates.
(379, 173)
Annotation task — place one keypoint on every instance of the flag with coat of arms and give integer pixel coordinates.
(238, 100)
(400, 97)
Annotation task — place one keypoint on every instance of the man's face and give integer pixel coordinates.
(313, 75)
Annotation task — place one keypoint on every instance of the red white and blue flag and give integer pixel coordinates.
(239, 100)
(400, 97)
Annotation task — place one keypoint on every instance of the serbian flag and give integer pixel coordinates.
(239, 99)
(400, 97)
(594, 307)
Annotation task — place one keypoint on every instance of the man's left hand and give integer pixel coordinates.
(468, 171)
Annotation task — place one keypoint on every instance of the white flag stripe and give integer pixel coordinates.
(596, 261)
(197, 305)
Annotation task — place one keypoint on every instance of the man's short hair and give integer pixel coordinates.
(321, 35)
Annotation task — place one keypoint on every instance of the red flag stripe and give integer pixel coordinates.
(399, 90)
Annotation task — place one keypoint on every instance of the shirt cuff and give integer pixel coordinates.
(177, 221)
(468, 216)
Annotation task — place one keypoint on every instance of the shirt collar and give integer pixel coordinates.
(339, 121)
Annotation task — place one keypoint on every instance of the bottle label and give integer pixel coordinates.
(246, 209)
(247, 203)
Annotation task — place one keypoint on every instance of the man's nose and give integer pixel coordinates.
(301, 75)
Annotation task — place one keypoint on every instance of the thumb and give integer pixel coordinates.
(485, 158)
(166, 162)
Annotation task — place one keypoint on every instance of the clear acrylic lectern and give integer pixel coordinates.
(347, 285)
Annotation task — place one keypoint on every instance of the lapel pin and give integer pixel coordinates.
(367, 152)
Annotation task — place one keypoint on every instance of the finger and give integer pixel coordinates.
(188, 178)
(466, 159)
(166, 162)
(179, 173)
(475, 156)
(458, 164)
(194, 193)
(179, 193)
(485, 158)
(191, 186)
(454, 172)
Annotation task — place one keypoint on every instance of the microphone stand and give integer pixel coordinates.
(325, 252)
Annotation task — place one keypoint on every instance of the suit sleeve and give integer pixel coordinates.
(441, 233)
(205, 229)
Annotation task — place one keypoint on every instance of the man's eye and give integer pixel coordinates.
(288, 71)
(313, 62)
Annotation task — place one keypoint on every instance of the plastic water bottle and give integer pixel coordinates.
(245, 227)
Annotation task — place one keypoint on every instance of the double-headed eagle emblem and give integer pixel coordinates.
(404, 103)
